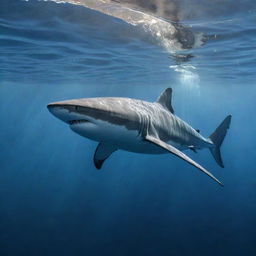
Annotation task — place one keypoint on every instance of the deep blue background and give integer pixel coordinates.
(52, 199)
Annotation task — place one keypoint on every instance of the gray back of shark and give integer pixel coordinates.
(137, 126)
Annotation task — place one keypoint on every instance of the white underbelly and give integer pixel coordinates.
(117, 135)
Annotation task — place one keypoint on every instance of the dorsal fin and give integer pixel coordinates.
(165, 99)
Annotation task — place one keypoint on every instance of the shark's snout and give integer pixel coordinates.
(51, 107)
(64, 112)
(68, 112)
(60, 112)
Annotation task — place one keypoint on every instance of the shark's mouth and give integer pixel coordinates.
(72, 122)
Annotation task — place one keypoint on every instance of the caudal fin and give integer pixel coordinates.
(217, 138)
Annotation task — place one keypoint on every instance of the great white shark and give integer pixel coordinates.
(137, 126)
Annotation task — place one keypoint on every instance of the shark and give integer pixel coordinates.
(138, 126)
(158, 18)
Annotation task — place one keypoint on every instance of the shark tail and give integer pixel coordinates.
(217, 138)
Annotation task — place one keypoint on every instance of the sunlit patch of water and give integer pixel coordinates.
(188, 75)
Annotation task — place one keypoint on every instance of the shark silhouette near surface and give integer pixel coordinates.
(137, 126)
(160, 18)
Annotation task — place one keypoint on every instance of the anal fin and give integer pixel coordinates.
(103, 151)
(178, 153)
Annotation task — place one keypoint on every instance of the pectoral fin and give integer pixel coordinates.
(178, 153)
(102, 152)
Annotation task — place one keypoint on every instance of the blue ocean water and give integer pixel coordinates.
(52, 199)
